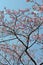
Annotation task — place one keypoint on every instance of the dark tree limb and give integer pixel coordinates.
(31, 58)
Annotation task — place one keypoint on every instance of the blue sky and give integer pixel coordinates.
(15, 4)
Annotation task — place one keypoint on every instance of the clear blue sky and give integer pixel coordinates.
(15, 4)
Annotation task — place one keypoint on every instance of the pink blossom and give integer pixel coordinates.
(41, 8)
(8, 11)
(27, 0)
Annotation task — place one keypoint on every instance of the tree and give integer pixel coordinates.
(20, 31)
